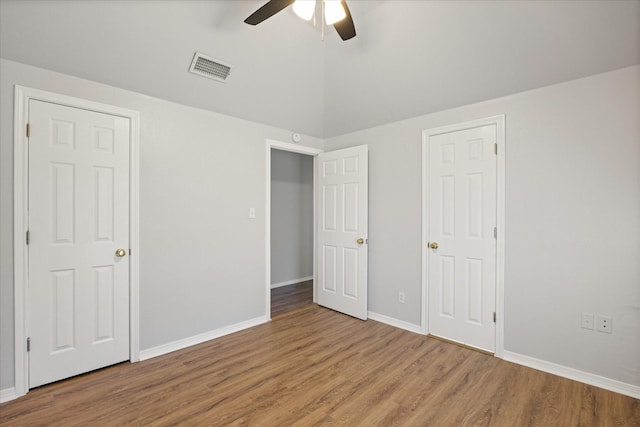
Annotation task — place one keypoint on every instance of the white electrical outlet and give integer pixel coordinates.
(586, 321)
(605, 324)
(401, 299)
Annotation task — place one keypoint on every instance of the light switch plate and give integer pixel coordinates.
(586, 322)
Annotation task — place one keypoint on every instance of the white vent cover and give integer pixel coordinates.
(210, 68)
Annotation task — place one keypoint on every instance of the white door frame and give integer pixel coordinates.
(499, 122)
(294, 148)
(21, 216)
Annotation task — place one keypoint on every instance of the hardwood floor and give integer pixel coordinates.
(288, 298)
(313, 366)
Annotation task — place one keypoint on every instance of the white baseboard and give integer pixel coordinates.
(574, 374)
(291, 282)
(531, 362)
(395, 322)
(7, 394)
(200, 338)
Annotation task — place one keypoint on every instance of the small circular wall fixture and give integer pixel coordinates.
(295, 137)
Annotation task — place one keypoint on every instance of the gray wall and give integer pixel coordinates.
(572, 218)
(200, 172)
(291, 216)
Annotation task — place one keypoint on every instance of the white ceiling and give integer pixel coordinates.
(417, 57)
(409, 57)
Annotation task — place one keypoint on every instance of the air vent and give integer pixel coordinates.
(210, 68)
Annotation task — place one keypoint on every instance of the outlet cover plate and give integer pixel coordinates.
(605, 324)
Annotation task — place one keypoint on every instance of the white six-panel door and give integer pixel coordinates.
(78, 288)
(462, 246)
(342, 212)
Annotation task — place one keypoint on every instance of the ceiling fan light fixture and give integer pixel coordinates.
(304, 8)
(333, 11)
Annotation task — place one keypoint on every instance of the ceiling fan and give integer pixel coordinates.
(334, 12)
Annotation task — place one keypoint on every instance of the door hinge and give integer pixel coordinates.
(494, 317)
(28, 130)
(495, 148)
(28, 237)
(495, 232)
(28, 344)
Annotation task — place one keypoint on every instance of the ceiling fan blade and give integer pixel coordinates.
(267, 11)
(345, 28)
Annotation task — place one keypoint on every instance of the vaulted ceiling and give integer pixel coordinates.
(409, 57)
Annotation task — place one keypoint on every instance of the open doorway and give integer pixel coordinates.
(340, 243)
(290, 227)
(291, 231)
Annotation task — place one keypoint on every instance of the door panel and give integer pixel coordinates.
(342, 212)
(462, 217)
(78, 291)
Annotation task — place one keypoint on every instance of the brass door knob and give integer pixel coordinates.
(433, 245)
(360, 241)
(120, 253)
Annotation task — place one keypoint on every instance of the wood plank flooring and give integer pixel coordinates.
(314, 367)
(292, 297)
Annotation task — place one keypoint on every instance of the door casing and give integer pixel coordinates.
(499, 122)
(22, 96)
(294, 148)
